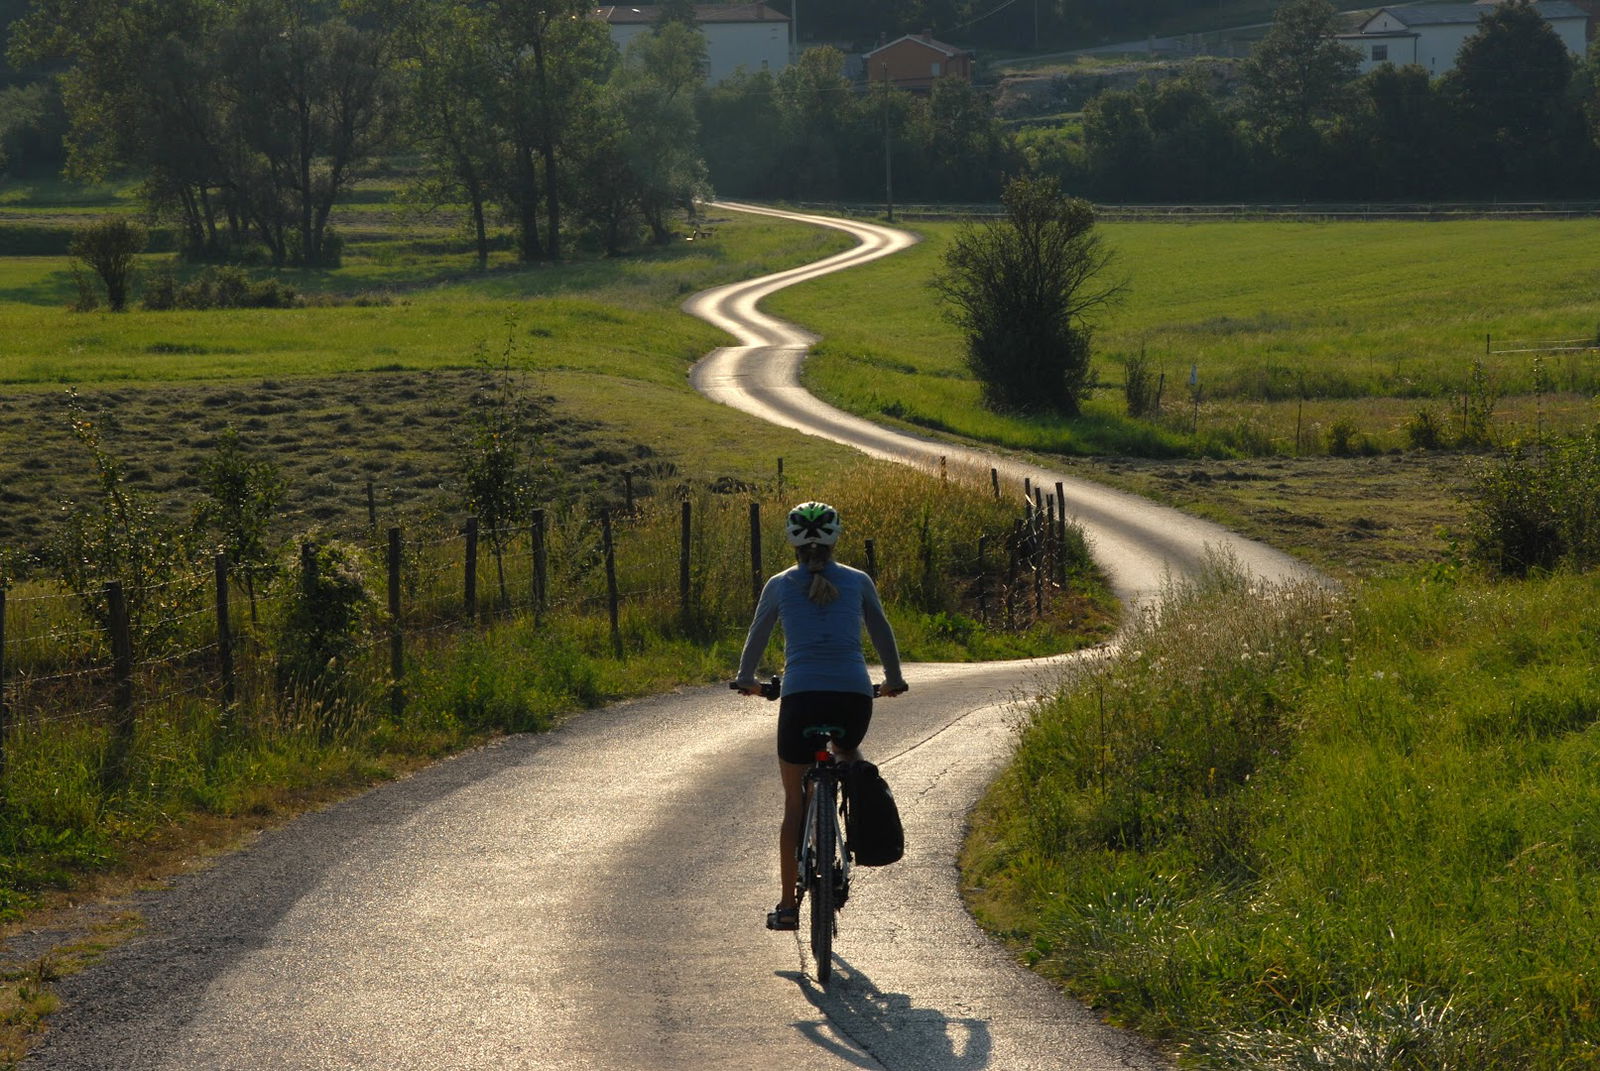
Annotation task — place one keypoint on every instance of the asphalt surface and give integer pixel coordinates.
(592, 898)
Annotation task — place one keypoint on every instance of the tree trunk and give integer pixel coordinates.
(547, 149)
(528, 206)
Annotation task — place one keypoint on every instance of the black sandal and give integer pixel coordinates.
(783, 918)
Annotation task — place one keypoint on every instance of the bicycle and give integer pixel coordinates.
(824, 861)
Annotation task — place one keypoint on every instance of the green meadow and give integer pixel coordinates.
(1288, 328)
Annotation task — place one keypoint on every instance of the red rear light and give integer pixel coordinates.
(822, 756)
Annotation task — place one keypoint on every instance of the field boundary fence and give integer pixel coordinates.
(688, 566)
(1492, 345)
(1241, 211)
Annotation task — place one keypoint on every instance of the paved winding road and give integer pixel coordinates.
(592, 898)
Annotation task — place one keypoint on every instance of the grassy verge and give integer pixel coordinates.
(1321, 832)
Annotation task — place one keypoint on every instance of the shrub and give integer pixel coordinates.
(220, 287)
(1140, 387)
(326, 614)
(1343, 438)
(1537, 509)
(1424, 431)
(1020, 289)
(109, 249)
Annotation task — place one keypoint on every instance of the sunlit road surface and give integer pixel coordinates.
(592, 898)
(1138, 543)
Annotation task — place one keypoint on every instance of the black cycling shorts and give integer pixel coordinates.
(800, 711)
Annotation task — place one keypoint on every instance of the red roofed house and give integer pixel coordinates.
(916, 61)
(752, 36)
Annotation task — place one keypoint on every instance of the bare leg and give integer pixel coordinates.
(794, 813)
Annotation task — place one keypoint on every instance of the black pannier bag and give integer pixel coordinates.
(872, 830)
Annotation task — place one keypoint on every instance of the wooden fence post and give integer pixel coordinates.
(225, 641)
(994, 479)
(685, 530)
(611, 581)
(627, 491)
(541, 565)
(983, 579)
(471, 596)
(780, 475)
(1013, 547)
(872, 559)
(397, 653)
(756, 579)
(115, 771)
(372, 509)
(5, 706)
(1061, 532)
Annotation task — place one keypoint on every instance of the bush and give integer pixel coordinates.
(326, 615)
(1343, 438)
(1020, 288)
(1537, 509)
(225, 287)
(1424, 431)
(1140, 387)
(110, 249)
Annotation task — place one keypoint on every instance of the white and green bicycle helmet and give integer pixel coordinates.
(815, 523)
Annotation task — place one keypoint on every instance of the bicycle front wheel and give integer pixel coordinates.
(824, 865)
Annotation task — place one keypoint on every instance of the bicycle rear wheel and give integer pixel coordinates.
(824, 864)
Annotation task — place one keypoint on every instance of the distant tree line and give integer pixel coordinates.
(1515, 119)
(250, 119)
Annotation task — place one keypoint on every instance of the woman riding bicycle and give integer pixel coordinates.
(823, 606)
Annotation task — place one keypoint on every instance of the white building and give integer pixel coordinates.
(1431, 35)
(752, 36)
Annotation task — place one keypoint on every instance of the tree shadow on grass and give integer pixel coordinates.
(889, 1026)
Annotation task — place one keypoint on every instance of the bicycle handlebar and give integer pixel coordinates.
(771, 689)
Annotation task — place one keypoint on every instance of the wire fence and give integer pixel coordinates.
(1241, 211)
(694, 567)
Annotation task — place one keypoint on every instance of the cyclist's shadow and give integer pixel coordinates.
(888, 1026)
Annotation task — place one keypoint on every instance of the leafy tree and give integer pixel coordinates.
(32, 125)
(655, 86)
(242, 498)
(496, 461)
(119, 536)
(1390, 140)
(450, 90)
(1295, 79)
(967, 152)
(326, 610)
(1119, 144)
(815, 103)
(110, 249)
(741, 134)
(1521, 130)
(1021, 288)
(311, 94)
(548, 58)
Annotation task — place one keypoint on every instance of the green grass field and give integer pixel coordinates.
(1288, 327)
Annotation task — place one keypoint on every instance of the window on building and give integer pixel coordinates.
(1380, 53)
(934, 69)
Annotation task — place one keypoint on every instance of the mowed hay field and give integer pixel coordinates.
(368, 379)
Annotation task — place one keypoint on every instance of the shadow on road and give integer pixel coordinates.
(896, 1032)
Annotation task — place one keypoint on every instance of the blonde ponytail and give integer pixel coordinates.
(815, 557)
